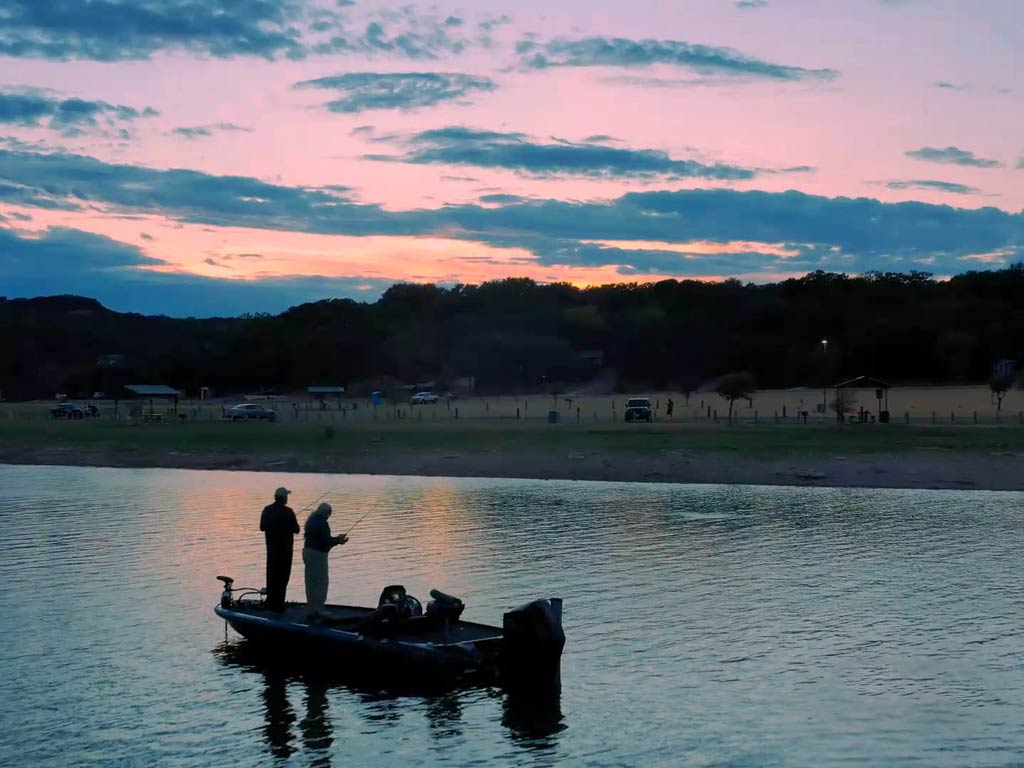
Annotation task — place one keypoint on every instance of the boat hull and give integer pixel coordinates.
(349, 650)
(353, 640)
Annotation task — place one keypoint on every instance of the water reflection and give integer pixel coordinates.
(533, 717)
(279, 715)
(444, 713)
(317, 736)
(706, 625)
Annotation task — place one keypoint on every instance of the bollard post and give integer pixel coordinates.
(577, 414)
(975, 417)
(456, 413)
(933, 417)
(906, 416)
(716, 415)
(517, 411)
(709, 409)
(952, 417)
(783, 411)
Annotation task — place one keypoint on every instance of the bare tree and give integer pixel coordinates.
(688, 386)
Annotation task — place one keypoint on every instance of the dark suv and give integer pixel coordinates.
(68, 411)
(639, 409)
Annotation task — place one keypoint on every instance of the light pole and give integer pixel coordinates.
(824, 388)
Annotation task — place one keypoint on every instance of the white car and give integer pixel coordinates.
(250, 412)
(422, 398)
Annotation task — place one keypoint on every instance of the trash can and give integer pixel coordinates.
(883, 417)
(552, 417)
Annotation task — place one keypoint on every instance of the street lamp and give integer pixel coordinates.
(824, 388)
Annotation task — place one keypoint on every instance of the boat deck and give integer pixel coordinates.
(349, 618)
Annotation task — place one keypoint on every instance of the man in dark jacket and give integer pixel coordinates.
(279, 525)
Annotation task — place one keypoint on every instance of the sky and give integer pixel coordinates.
(216, 157)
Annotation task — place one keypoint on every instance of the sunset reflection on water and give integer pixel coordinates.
(704, 624)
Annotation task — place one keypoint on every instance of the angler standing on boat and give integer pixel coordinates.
(280, 526)
(319, 543)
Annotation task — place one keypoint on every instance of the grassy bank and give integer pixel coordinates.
(308, 441)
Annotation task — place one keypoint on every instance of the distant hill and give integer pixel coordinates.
(517, 335)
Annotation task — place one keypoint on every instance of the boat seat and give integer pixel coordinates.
(441, 597)
(444, 607)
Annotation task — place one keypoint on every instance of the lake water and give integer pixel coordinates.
(706, 625)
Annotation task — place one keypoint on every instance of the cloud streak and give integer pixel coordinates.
(940, 186)
(406, 32)
(115, 30)
(622, 52)
(460, 146)
(363, 91)
(193, 132)
(119, 30)
(847, 234)
(34, 107)
(952, 156)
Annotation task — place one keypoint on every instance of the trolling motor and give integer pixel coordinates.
(227, 597)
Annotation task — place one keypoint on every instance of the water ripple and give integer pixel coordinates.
(707, 625)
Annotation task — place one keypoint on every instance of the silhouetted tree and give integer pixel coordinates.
(523, 335)
(1000, 383)
(688, 385)
(735, 386)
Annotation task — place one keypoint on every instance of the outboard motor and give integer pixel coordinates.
(533, 641)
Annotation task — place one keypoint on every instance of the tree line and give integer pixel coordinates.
(517, 335)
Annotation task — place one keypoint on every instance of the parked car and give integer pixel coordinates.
(68, 411)
(250, 412)
(422, 398)
(639, 409)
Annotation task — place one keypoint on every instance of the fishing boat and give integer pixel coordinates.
(399, 638)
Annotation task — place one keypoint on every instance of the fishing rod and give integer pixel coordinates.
(357, 522)
(318, 499)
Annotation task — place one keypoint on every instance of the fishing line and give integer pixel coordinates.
(357, 522)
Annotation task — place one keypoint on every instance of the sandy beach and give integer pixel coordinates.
(927, 469)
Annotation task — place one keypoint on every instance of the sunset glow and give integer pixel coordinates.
(332, 149)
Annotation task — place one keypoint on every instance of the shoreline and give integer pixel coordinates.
(997, 471)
